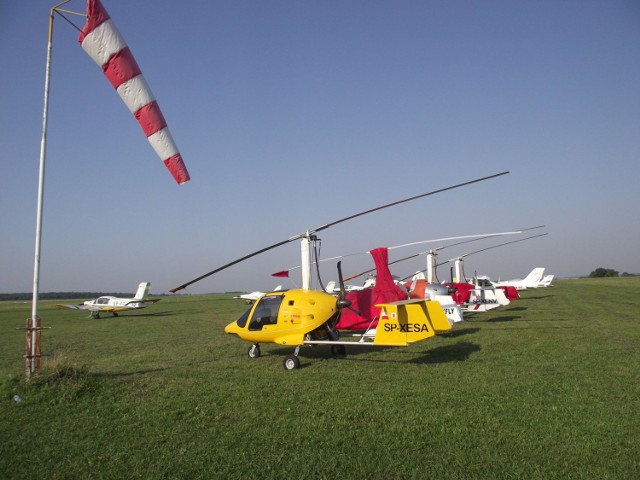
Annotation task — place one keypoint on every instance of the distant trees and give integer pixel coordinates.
(603, 272)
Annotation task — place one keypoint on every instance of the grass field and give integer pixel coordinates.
(546, 388)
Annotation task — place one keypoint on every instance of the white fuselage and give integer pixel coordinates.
(109, 302)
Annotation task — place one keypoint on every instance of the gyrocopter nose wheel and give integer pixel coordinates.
(291, 362)
(254, 351)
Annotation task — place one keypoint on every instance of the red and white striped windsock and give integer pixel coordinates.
(104, 44)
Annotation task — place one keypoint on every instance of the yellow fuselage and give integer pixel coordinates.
(284, 317)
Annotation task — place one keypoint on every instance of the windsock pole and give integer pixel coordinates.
(32, 350)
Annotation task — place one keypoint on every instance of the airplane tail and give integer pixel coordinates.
(143, 291)
(534, 276)
(409, 321)
(546, 281)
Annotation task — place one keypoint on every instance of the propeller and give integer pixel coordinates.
(342, 301)
(311, 233)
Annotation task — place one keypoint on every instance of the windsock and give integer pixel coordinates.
(104, 44)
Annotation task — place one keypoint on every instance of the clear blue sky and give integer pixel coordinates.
(292, 114)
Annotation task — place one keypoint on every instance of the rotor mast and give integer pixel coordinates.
(305, 259)
(431, 266)
(459, 270)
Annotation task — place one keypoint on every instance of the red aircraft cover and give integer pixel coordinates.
(462, 292)
(364, 301)
(104, 44)
(510, 292)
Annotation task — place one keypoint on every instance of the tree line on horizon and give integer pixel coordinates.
(609, 272)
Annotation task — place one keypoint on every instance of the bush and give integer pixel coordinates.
(603, 272)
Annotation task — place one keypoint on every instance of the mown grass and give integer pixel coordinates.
(546, 388)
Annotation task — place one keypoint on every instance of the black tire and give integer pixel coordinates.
(291, 362)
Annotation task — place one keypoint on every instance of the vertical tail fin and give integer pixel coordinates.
(143, 291)
(534, 276)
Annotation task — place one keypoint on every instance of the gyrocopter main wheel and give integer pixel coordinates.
(291, 362)
(254, 351)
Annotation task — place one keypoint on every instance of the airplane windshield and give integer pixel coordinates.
(265, 312)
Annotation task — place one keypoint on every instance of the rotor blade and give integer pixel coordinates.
(494, 246)
(327, 225)
(480, 237)
(483, 235)
(257, 252)
(478, 251)
(408, 200)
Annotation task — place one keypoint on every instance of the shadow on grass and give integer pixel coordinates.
(459, 332)
(154, 314)
(448, 353)
(504, 318)
(543, 297)
(324, 351)
(126, 374)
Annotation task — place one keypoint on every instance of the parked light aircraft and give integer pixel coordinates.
(114, 305)
(533, 280)
(546, 281)
(249, 298)
(304, 317)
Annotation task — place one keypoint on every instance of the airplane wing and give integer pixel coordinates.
(136, 304)
(95, 308)
(79, 307)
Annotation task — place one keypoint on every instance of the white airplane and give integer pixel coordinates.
(333, 288)
(253, 296)
(530, 281)
(546, 281)
(114, 305)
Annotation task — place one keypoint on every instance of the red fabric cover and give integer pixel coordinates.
(462, 292)
(510, 292)
(364, 301)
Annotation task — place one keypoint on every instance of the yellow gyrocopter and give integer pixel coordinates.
(299, 317)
